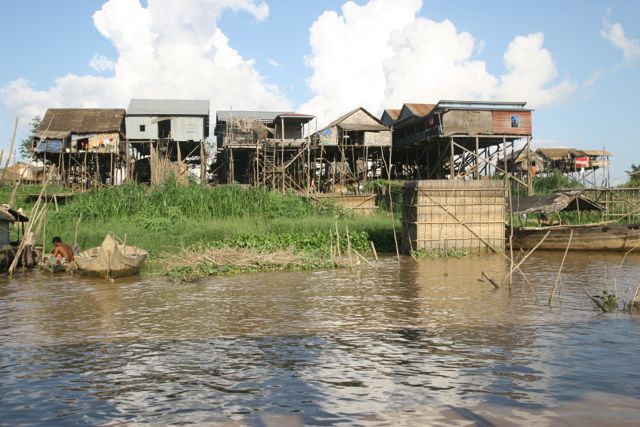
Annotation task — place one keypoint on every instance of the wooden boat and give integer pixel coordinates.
(584, 237)
(111, 259)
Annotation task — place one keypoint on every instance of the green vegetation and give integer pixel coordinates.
(552, 182)
(170, 220)
(23, 191)
(634, 177)
(388, 192)
(609, 301)
(439, 253)
(26, 146)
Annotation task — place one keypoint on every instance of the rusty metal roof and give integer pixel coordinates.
(420, 109)
(393, 113)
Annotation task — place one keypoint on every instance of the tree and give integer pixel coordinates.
(634, 175)
(27, 145)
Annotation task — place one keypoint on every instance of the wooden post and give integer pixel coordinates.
(476, 173)
(452, 170)
(282, 153)
(203, 163)
(504, 154)
(529, 177)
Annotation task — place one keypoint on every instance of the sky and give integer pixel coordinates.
(576, 62)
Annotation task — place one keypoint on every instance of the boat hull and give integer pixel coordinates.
(590, 237)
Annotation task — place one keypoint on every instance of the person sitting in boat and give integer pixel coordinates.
(62, 250)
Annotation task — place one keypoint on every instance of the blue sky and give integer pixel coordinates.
(587, 96)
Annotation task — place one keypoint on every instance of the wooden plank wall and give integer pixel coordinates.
(467, 122)
(454, 214)
(502, 123)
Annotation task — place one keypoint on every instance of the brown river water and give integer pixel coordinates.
(406, 344)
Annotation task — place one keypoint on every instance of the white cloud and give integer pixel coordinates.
(273, 62)
(381, 54)
(163, 50)
(614, 34)
(101, 63)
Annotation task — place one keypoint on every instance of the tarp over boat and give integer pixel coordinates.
(111, 259)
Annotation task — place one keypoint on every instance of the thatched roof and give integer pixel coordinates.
(560, 153)
(61, 122)
(559, 202)
(603, 153)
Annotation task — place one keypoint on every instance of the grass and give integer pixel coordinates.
(439, 253)
(176, 221)
(23, 191)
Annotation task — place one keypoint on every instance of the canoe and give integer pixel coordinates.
(584, 237)
(111, 259)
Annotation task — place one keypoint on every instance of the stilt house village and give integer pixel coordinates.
(286, 151)
(451, 168)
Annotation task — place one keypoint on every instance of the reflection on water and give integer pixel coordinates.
(407, 344)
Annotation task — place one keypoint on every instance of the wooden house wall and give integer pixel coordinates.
(133, 124)
(502, 123)
(358, 118)
(187, 128)
(466, 122)
(454, 214)
(387, 119)
(378, 139)
(291, 131)
(104, 142)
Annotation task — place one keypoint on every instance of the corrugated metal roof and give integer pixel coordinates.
(263, 116)
(481, 105)
(301, 117)
(60, 122)
(181, 107)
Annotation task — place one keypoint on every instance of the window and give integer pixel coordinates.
(515, 120)
(142, 127)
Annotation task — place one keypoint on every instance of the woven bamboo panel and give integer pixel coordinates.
(454, 214)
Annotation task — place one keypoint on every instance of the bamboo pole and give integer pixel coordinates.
(364, 259)
(526, 256)
(615, 278)
(553, 291)
(375, 253)
(349, 247)
(75, 237)
(338, 240)
(393, 220)
(11, 144)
